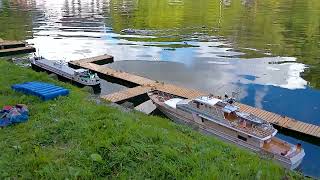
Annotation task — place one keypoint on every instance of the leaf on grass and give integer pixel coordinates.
(96, 157)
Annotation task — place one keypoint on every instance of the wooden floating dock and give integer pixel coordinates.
(103, 59)
(126, 94)
(120, 75)
(11, 44)
(142, 85)
(19, 50)
(14, 47)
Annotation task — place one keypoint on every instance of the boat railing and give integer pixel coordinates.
(162, 96)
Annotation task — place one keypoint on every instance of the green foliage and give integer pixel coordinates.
(72, 137)
(14, 24)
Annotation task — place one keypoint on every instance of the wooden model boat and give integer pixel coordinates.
(223, 119)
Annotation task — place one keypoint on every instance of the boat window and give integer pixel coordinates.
(242, 138)
(197, 103)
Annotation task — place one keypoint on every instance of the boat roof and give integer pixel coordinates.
(230, 108)
(183, 101)
(208, 100)
(250, 117)
(80, 70)
(173, 102)
(51, 63)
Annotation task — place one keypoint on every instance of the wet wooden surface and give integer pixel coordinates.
(126, 94)
(95, 59)
(4, 43)
(19, 50)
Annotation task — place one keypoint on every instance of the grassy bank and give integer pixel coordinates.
(74, 137)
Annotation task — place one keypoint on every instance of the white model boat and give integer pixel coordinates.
(223, 119)
(79, 76)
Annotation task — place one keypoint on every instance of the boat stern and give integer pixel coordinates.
(297, 158)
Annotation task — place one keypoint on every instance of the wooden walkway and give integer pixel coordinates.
(144, 84)
(282, 121)
(126, 94)
(138, 80)
(14, 47)
(95, 60)
(18, 50)
(11, 44)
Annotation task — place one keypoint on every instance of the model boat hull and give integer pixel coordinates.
(66, 74)
(290, 163)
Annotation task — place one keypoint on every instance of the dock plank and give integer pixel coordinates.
(292, 124)
(300, 125)
(303, 127)
(96, 59)
(274, 117)
(308, 127)
(11, 44)
(318, 132)
(126, 94)
(312, 129)
(19, 50)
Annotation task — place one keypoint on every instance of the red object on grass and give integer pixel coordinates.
(8, 108)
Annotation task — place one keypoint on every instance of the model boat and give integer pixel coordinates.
(81, 77)
(222, 118)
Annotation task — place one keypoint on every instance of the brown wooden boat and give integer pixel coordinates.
(223, 119)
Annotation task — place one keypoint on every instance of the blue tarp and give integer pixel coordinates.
(45, 91)
(13, 114)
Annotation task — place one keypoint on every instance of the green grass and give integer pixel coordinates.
(73, 137)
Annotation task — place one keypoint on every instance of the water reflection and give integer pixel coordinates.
(259, 48)
(220, 76)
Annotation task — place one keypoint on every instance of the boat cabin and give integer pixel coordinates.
(81, 72)
(223, 115)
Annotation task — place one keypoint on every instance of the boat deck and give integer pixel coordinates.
(276, 146)
(143, 84)
(51, 64)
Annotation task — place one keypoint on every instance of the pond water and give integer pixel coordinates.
(267, 51)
